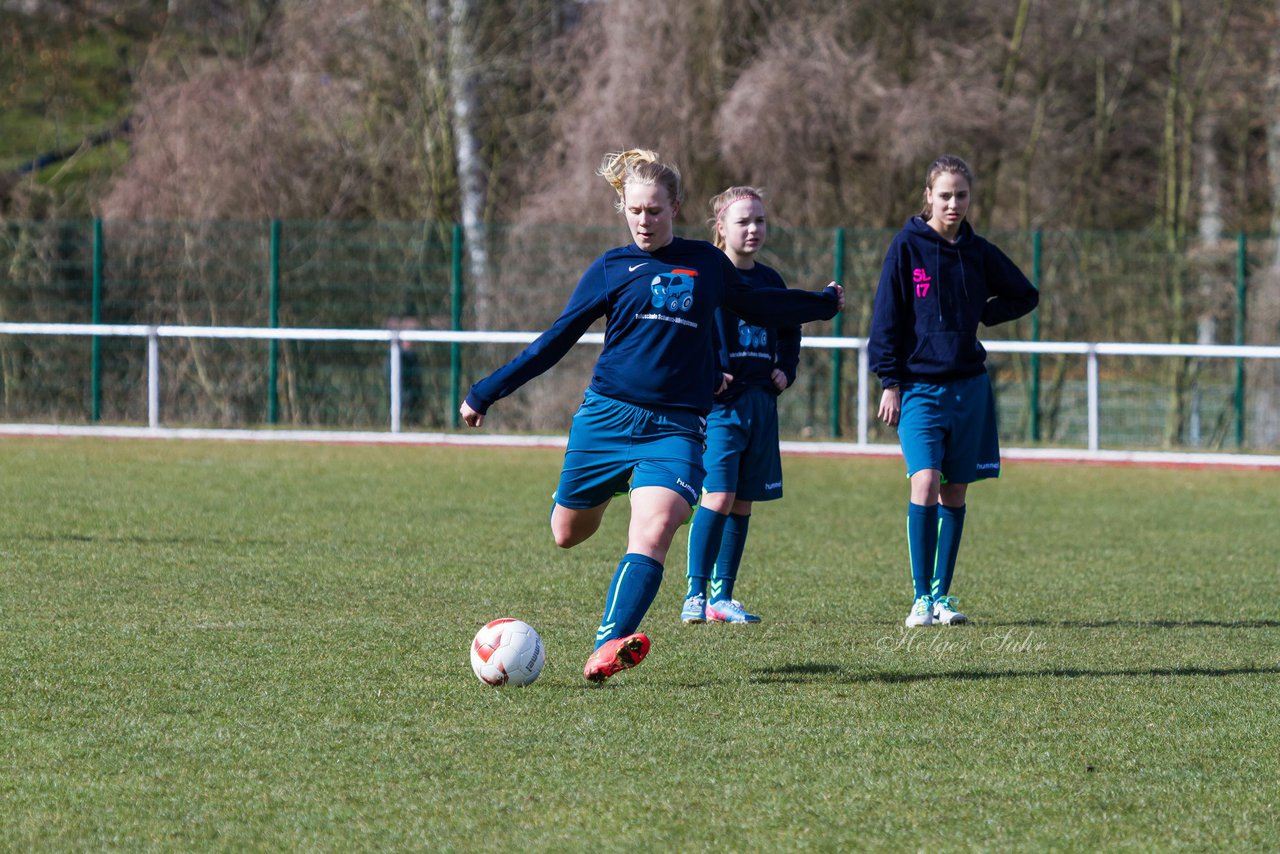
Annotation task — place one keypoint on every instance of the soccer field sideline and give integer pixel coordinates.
(825, 448)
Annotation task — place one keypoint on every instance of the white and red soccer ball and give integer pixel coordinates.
(507, 652)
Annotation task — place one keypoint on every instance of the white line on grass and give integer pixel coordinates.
(846, 449)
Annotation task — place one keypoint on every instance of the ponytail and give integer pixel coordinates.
(640, 166)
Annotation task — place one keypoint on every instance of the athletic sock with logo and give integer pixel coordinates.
(704, 542)
(922, 542)
(950, 529)
(732, 543)
(635, 583)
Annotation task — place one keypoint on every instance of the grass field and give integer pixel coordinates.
(215, 646)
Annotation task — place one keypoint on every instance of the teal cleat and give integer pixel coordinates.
(729, 611)
(695, 610)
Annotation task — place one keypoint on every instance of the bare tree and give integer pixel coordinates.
(1265, 307)
(1185, 93)
(848, 131)
(463, 77)
(1273, 140)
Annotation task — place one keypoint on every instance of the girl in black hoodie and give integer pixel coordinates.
(939, 281)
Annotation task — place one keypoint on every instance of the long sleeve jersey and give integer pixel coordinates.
(932, 296)
(750, 352)
(660, 307)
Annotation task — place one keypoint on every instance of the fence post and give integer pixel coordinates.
(153, 378)
(1035, 336)
(837, 329)
(864, 383)
(396, 387)
(1242, 288)
(455, 349)
(273, 346)
(95, 367)
(1091, 364)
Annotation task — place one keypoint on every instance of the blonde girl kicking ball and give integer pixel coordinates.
(642, 421)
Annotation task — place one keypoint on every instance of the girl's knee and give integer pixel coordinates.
(953, 494)
(570, 527)
(925, 485)
(565, 537)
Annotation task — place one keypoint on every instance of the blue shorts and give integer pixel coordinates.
(613, 445)
(952, 428)
(742, 447)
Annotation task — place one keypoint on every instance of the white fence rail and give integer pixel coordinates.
(154, 333)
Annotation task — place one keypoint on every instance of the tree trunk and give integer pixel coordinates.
(1264, 309)
(1273, 151)
(471, 171)
(1209, 233)
(1210, 185)
(1173, 223)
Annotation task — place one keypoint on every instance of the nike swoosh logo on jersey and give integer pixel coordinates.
(636, 267)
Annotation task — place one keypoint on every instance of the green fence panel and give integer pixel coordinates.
(1095, 286)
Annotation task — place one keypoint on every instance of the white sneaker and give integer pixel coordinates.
(944, 611)
(921, 613)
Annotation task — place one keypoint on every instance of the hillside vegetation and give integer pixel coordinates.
(1118, 115)
(67, 95)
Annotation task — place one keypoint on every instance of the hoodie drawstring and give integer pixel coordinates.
(937, 265)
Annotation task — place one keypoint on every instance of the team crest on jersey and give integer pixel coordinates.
(673, 291)
(751, 337)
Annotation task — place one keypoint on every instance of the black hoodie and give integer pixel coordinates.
(932, 295)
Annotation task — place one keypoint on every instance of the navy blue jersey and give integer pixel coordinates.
(932, 296)
(749, 352)
(660, 308)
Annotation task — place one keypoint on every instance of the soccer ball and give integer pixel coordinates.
(507, 652)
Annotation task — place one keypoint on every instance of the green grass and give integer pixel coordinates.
(63, 83)
(264, 647)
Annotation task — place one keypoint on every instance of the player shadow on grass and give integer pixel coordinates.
(133, 540)
(1141, 624)
(815, 672)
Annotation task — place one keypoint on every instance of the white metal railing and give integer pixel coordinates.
(153, 333)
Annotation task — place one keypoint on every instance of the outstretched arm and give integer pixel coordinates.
(589, 302)
(782, 306)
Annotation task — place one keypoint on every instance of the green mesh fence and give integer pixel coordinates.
(343, 275)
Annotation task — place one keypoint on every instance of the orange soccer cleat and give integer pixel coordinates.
(615, 655)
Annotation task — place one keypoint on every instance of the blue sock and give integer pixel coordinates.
(922, 542)
(704, 542)
(950, 529)
(635, 583)
(732, 543)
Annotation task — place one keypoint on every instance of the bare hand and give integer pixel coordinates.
(470, 416)
(890, 406)
(779, 380)
(725, 379)
(839, 296)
